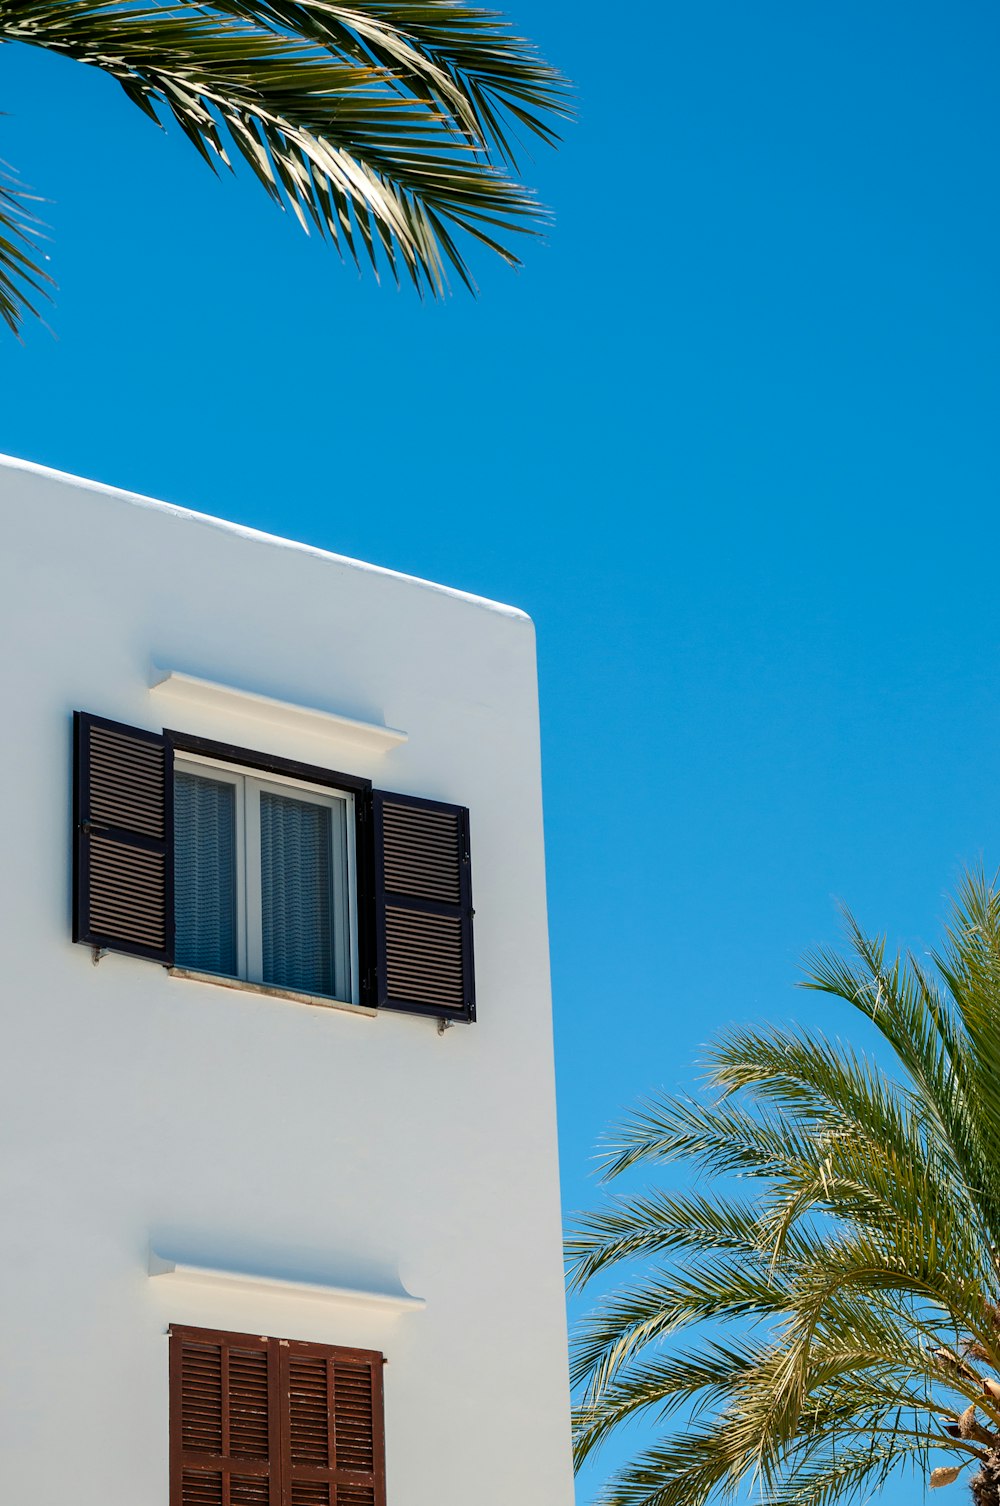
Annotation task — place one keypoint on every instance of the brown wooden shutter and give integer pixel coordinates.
(333, 1435)
(272, 1422)
(225, 1421)
(423, 907)
(123, 859)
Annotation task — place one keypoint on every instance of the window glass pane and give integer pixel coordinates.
(296, 870)
(205, 874)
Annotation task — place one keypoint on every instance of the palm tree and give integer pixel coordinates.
(386, 125)
(839, 1280)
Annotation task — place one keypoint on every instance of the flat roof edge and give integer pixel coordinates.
(257, 535)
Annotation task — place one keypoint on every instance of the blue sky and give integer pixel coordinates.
(730, 438)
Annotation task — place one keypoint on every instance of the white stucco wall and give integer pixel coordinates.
(248, 1132)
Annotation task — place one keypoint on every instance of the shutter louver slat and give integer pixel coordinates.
(201, 1417)
(127, 780)
(223, 1420)
(248, 1414)
(423, 906)
(123, 870)
(424, 957)
(308, 1411)
(310, 1493)
(335, 1441)
(201, 1490)
(353, 1417)
(422, 853)
(127, 892)
(248, 1490)
(269, 1422)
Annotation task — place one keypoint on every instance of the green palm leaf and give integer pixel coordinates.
(387, 128)
(838, 1286)
(21, 278)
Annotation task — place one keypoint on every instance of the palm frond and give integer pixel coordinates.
(720, 1138)
(21, 277)
(847, 1474)
(844, 1299)
(655, 1224)
(686, 1469)
(466, 60)
(634, 1315)
(384, 127)
(706, 1376)
(885, 1158)
(971, 970)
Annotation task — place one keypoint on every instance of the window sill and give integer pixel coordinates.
(166, 1267)
(270, 992)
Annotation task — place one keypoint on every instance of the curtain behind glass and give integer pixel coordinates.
(296, 894)
(205, 874)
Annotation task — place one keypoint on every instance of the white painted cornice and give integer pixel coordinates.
(176, 1270)
(192, 691)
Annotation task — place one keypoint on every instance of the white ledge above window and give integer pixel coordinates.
(168, 1268)
(190, 690)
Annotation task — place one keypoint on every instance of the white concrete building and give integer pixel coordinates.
(230, 1109)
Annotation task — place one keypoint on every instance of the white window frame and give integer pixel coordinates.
(250, 784)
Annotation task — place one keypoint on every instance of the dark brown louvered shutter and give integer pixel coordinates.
(423, 906)
(333, 1433)
(123, 860)
(225, 1419)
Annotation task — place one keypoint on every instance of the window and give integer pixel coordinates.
(222, 860)
(264, 879)
(262, 1422)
